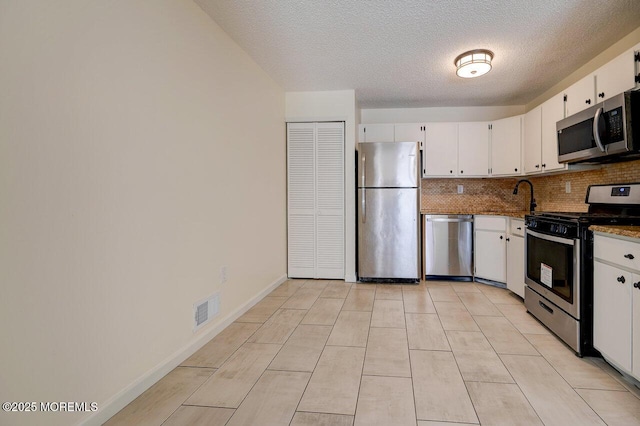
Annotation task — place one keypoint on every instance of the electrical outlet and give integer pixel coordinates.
(460, 189)
(223, 275)
(567, 187)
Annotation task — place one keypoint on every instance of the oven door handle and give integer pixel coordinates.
(555, 239)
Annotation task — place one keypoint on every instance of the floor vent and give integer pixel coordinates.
(205, 310)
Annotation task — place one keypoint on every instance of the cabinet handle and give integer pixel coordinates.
(506, 239)
(501, 237)
(450, 171)
(637, 285)
(461, 171)
(544, 165)
(516, 169)
(629, 256)
(601, 95)
(537, 166)
(621, 279)
(588, 102)
(519, 228)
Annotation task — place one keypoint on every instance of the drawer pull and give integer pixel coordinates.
(629, 256)
(636, 285)
(519, 228)
(545, 307)
(621, 279)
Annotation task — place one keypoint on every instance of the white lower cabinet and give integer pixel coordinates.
(515, 257)
(612, 313)
(616, 302)
(490, 248)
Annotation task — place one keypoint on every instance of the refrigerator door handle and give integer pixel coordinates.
(364, 205)
(364, 170)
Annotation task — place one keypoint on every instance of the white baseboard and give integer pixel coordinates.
(144, 382)
(350, 278)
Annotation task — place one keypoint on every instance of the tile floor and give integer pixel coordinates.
(439, 353)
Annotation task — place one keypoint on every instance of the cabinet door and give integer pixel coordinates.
(612, 313)
(409, 133)
(580, 95)
(616, 76)
(635, 363)
(441, 149)
(473, 149)
(515, 265)
(315, 200)
(533, 141)
(376, 133)
(552, 112)
(301, 200)
(329, 200)
(506, 139)
(490, 255)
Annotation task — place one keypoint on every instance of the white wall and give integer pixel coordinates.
(334, 106)
(140, 150)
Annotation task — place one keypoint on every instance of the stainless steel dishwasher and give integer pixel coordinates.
(448, 246)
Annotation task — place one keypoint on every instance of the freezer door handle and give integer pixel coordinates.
(364, 205)
(364, 170)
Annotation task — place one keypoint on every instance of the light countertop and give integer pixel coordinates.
(517, 215)
(625, 231)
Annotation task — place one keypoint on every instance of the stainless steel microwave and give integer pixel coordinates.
(601, 133)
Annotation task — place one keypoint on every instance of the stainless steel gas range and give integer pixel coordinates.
(559, 261)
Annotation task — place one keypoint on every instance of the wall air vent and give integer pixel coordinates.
(205, 310)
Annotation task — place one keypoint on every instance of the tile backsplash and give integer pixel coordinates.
(496, 194)
(486, 195)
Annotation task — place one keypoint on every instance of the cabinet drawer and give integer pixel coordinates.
(620, 252)
(490, 223)
(516, 227)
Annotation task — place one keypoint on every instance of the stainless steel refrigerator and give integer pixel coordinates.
(389, 211)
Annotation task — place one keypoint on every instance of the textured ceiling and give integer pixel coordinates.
(399, 53)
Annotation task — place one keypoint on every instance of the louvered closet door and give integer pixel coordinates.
(330, 200)
(301, 207)
(315, 200)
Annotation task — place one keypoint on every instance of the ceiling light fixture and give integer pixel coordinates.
(473, 63)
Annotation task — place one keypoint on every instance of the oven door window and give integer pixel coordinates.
(550, 264)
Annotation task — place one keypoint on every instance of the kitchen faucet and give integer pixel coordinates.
(532, 204)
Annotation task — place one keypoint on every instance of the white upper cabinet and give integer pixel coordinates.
(409, 133)
(540, 136)
(441, 149)
(376, 133)
(506, 141)
(406, 132)
(552, 112)
(580, 95)
(533, 141)
(473, 149)
(616, 76)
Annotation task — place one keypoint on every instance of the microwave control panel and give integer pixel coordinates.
(614, 125)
